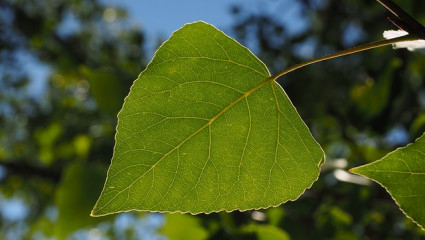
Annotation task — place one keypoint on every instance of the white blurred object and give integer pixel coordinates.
(337, 163)
(345, 176)
(410, 45)
(258, 216)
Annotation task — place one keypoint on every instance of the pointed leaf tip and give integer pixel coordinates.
(402, 174)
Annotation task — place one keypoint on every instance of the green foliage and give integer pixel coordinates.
(372, 97)
(267, 232)
(76, 195)
(204, 129)
(402, 174)
(46, 134)
(106, 89)
(192, 229)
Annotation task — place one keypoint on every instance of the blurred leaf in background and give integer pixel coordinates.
(76, 195)
(184, 226)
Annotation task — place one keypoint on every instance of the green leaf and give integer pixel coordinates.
(402, 174)
(204, 129)
(105, 88)
(192, 227)
(75, 197)
(373, 96)
(275, 215)
(267, 232)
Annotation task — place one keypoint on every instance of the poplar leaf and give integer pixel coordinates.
(402, 174)
(205, 129)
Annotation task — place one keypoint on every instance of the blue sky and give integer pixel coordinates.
(160, 18)
(164, 16)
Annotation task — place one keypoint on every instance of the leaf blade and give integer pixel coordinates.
(206, 97)
(402, 174)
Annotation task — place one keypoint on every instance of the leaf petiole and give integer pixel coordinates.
(356, 49)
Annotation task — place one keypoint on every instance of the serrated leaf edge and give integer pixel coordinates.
(354, 171)
(270, 79)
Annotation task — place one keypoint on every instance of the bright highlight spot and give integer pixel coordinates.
(344, 176)
(110, 15)
(410, 45)
(95, 234)
(258, 216)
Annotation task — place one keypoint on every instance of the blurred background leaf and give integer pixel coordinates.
(105, 89)
(183, 226)
(76, 195)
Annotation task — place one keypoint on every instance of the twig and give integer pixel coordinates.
(408, 23)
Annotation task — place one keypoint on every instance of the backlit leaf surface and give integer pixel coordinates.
(402, 174)
(205, 128)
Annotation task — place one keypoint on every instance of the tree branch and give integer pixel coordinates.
(22, 169)
(413, 26)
